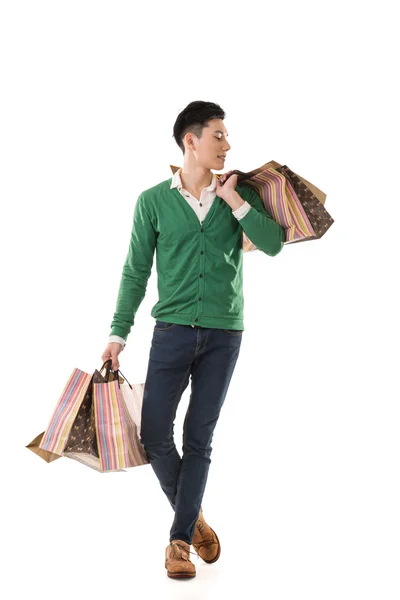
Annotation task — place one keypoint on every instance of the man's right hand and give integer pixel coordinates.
(112, 351)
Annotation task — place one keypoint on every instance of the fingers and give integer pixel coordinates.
(225, 176)
(114, 359)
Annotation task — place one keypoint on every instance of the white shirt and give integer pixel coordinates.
(201, 208)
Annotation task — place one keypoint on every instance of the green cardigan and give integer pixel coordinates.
(199, 265)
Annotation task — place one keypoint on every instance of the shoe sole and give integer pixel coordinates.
(180, 575)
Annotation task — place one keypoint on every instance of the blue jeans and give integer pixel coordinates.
(209, 356)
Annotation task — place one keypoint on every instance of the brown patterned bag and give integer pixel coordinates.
(317, 214)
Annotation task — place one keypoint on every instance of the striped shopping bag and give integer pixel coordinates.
(62, 420)
(282, 204)
(292, 201)
(82, 441)
(117, 410)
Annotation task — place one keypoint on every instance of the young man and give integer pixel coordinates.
(195, 222)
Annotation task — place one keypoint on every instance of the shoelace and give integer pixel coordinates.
(180, 551)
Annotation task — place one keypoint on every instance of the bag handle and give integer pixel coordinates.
(108, 369)
(115, 373)
(118, 371)
(243, 175)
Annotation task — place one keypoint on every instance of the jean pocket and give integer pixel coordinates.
(164, 326)
(233, 331)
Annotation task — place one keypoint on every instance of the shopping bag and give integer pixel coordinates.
(317, 214)
(65, 412)
(82, 441)
(117, 410)
(282, 204)
(72, 430)
(308, 218)
(274, 184)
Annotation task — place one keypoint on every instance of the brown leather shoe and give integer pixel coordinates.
(205, 541)
(177, 560)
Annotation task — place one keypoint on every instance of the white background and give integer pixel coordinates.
(303, 488)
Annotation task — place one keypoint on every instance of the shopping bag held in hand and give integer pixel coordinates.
(96, 421)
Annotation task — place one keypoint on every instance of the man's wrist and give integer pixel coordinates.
(234, 200)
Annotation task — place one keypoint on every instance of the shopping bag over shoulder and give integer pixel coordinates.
(317, 214)
(292, 201)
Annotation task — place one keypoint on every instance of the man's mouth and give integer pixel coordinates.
(221, 157)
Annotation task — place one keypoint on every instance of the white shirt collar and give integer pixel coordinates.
(177, 182)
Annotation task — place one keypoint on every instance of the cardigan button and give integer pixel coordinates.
(200, 298)
(196, 319)
(201, 251)
(200, 275)
(201, 230)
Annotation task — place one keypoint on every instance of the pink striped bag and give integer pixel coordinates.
(291, 200)
(282, 203)
(61, 422)
(117, 412)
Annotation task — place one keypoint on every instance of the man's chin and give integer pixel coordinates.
(217, 167)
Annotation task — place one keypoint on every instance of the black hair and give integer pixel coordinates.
(193, 118)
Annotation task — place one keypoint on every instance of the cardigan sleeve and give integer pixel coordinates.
(135, 272)
(260, 227)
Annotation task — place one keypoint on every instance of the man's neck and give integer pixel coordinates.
(195, 180)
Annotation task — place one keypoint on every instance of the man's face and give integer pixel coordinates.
(212, 144)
